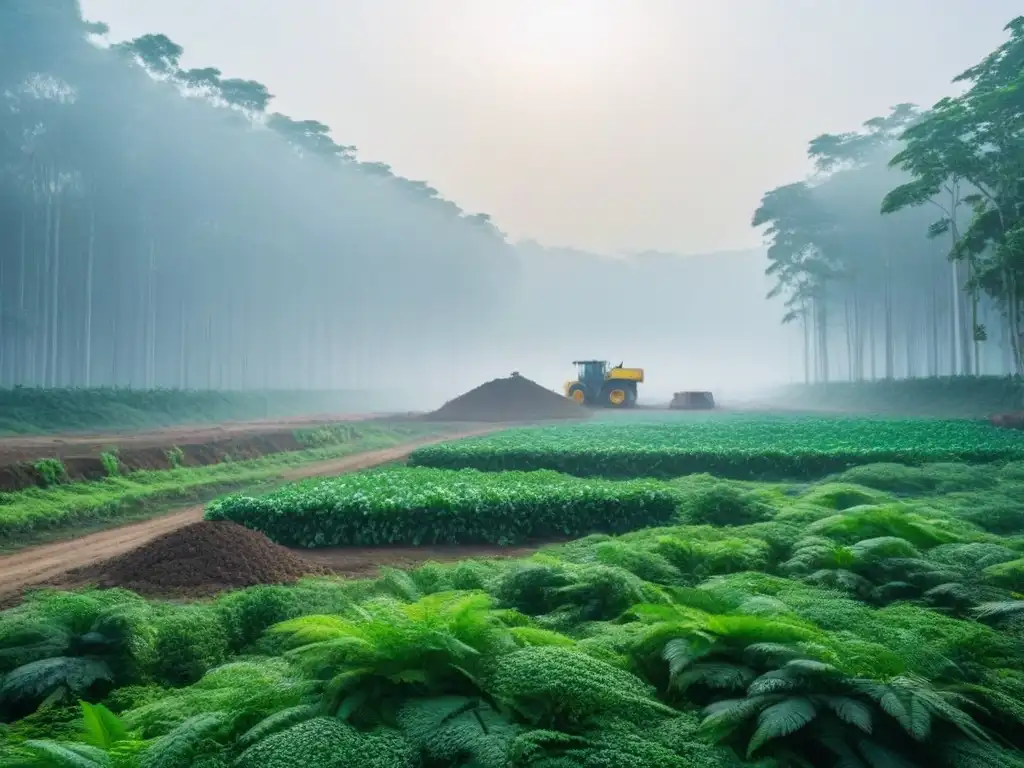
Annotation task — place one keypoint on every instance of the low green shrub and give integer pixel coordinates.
(430, 506)
(51, 471)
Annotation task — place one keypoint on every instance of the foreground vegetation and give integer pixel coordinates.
(870, 620)
(739, 446)
(31, 410)
(36, 514)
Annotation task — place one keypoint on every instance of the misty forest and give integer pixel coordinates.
(165, 227)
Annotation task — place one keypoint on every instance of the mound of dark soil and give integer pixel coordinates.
(200, 559)
(513, 399)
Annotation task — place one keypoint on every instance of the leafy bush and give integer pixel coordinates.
(51, 471)
(189, 642)
(430, 506)
(329, 743)
(724, 504)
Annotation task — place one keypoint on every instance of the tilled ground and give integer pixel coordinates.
(193, 446)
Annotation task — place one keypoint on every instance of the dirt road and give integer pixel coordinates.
(27, 448)
(44, 563)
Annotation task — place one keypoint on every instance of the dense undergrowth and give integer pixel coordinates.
(35, 514)
(736, 445)
(872, 620)
(30, 410)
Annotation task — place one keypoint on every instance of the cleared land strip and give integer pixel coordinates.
(43, 563)
(29, 447)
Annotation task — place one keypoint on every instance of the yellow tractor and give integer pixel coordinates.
(598, 384)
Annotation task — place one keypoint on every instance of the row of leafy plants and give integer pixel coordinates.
(739, 446)
(838, 624)
(434, 506)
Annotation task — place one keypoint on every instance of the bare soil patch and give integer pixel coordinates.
(201, 559)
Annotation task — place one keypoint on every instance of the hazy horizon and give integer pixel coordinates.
(604, 125)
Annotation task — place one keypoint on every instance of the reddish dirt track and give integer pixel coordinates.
(46, 563)
(27, 448)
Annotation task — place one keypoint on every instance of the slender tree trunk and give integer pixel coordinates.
(89, 266)
(44, 297)
(805, 322)
(22, 370)
(55, 291)
(890, 348)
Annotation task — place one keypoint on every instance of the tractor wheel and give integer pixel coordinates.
(618, 394)
(631, 397)
(578, 394)
(615, 396)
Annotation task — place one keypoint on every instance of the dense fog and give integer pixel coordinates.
(162, 226)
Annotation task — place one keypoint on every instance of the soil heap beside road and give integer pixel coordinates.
(511, 399)
(200, 559)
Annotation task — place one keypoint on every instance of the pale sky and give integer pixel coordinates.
(610, 125)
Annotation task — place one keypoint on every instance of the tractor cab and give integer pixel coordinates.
(597, 383)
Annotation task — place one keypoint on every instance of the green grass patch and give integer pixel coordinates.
(740, 446)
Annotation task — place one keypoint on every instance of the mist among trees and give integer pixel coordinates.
(903, 256)
(164, 226)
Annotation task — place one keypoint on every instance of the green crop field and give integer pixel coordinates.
(869, 618)
(433, 506)
(740, 446)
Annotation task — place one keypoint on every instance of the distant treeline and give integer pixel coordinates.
(950, 396)
(25, 410)
(162, 226)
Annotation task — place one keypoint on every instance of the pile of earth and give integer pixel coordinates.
(508, 400)
(200, 559)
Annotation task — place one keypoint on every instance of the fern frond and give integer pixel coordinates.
(770, 652)
(723, 717)
(177, 748)
(680, 653)
(999, 610)
(717, 675)
(54, 755)
(102, 727)
(306, 630)
(536, 636)
(775, 681)
(848, 710)
(278, 721)
(38, 678)
(779, 720)
(450, 729)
